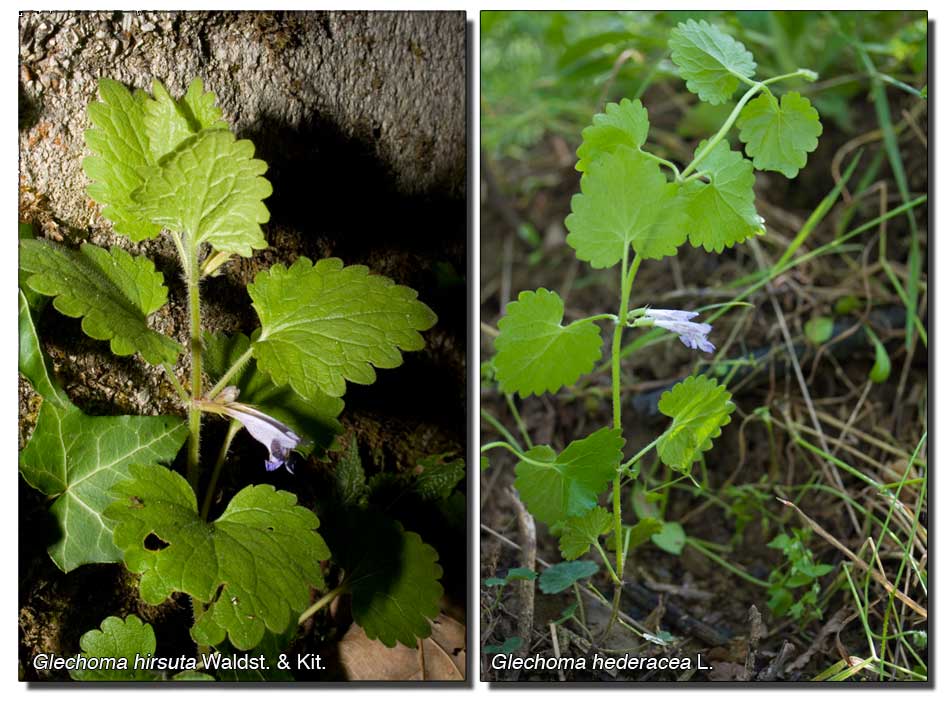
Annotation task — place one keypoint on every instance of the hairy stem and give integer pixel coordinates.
(218, 468)
(221, 383)
(196, 366)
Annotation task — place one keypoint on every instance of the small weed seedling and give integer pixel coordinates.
(165, 165)
(629, 211)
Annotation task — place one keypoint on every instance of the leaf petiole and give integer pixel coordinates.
(226, 377)
(324, 600)
(518, 454)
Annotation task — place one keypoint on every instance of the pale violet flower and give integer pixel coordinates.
(270, 432)
(694, 335)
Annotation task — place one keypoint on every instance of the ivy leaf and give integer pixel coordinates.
(624, 201)
(536, 354)
(699, 408)
(722, 212)
(325, 324)
(32, 362)
(624, 123)
(510, 645)
(121, 154)
(211, 189)
(709, 60)
(252, 567)
(561, 576)
(315, 418)
(393, 576)
(557, 487)
(672, 538)
(169, 123)
(118, 638)
(76, 459)
(778, 137)
(580, 533)
(111, 290)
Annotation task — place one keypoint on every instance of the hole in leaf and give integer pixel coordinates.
(153, 542)
(269, 528)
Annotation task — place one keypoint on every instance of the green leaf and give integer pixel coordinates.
(624, 201)
(119, 639)
(561, 576)
(252, 567)
(76, 459)
(169, 123)
(35, 301)
(520, 574)
(626, 123)
(879, 373)
(211, 189)
(121, 155)
(778, 137)
(111, 290)
(671, 538)
(314, 418)
(438, 477)
(699, 408)
(580, 533)
(721, 212)
(348, 477)
(709, 60)
(325, 324)
(393, 576)
(510, 645)
(643, 531)
(536, 354)
(557, 487)
(32, 362)
(819, 329)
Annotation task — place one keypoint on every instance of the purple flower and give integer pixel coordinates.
(270, 432)
(694, 335)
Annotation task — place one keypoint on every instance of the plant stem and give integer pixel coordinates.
(698, 545)
(221, 383)
(324, 600)
(181, 393)
(640, 454)
(720, 135)
(196, 365)
(521, 456)
(218, 468)
(626, 285)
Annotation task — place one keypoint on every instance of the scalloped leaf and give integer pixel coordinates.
(325, 324)
(111, 290)
(624, 201)
(778, 136)
(536, 354)
(722, 212)
(709, 60)
(168, 123)
(626, 123)
(120, 157)
(699, 408)
(555, 487)
(580, 533)
(393, 576)
(252, 567)
(76, 459)
(561, 576)
(211, 189)
(119, 639)
(313, 418)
